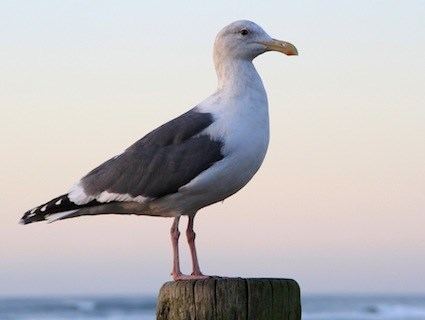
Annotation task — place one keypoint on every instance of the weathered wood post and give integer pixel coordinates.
(230, 299)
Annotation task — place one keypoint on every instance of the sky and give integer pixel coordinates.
(339, 203)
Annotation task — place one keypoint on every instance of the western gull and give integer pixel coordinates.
(199, 158)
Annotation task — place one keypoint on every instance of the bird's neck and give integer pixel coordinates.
(238, 76)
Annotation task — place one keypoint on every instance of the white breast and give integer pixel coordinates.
(242, 124)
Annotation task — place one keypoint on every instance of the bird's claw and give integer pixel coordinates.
(193, 276)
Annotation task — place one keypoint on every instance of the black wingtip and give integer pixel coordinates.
(56, 205)
(30, 217)
(42, 211)
(25, 218)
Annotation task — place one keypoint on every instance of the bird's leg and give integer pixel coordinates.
(175, 234)
(191, 235)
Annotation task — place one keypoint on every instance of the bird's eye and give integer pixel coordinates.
(244, 32)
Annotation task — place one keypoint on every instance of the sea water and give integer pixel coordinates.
(78, 308)
(315, 307)
(363, 307)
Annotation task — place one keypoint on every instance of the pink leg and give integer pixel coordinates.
(175, 234)
(191, 235)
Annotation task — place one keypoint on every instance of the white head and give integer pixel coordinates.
(246, 40)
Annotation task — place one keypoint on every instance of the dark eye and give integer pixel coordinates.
(244, 32)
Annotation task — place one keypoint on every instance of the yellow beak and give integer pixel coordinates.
(281, 46)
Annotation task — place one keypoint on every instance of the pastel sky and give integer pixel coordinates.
(339, 203)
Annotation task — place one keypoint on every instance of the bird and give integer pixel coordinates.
(201, 157)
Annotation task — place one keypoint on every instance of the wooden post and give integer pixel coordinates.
(229, 299)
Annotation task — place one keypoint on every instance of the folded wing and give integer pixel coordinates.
(155, 166)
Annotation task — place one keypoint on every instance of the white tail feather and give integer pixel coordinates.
(60, 215)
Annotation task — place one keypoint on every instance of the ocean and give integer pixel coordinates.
(368, 307)
(315, 307)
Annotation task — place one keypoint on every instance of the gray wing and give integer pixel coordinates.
(160, 163)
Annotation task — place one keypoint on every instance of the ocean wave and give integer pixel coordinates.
(398, 310)
(372, 312)
(76, 306)
(82, 305)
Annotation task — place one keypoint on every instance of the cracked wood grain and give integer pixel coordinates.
(230, 299)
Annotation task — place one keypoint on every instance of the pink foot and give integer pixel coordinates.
(181, 276)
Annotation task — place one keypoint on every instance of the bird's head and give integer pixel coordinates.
(245, 39)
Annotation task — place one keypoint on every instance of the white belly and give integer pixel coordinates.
(228, 175)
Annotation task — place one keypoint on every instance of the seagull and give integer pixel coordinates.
(199, 158)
